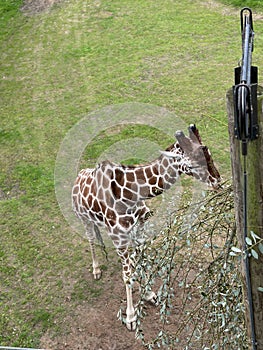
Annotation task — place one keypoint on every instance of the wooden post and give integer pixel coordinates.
(255, 209)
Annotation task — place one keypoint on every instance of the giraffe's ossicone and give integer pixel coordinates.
(113, 196)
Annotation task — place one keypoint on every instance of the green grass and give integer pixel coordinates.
(56, 68)
(9, 9)
(253, 4)
(125, 132)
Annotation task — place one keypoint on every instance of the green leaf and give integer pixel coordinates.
(254, 254)
(232, 254)
(236, 249)
(249, 241)
(260, 289)
(260, 247)
(254, 236)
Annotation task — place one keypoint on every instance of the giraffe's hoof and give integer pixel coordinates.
(151, 297)
(97, 274)
(154, 300)
(131, 324)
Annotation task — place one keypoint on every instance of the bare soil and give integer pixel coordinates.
(32, 7)
(94, 326)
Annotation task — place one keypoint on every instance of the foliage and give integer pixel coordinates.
(200, 287)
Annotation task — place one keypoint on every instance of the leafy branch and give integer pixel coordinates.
(193, 264)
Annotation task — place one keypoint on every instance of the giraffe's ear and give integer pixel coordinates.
(169, 154)
(184, 142)
(194, 134)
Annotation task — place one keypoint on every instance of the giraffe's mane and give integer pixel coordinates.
(127, 167)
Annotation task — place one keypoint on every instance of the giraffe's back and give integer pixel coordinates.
(96, 198)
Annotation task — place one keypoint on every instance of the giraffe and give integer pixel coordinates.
(113, 196)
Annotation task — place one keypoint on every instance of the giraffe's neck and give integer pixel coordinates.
(147, 181)
(160, 176)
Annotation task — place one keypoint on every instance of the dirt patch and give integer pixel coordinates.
(94, 326)
(31, 7)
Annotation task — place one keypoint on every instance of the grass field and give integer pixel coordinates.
(59, 66)
(253, 4)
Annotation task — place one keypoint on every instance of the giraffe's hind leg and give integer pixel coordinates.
(91, 235)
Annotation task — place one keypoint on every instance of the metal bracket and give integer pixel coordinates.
(245, 104)
(245, 88)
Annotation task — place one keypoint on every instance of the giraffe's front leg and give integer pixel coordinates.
(131, 317)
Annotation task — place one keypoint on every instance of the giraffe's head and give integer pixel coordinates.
(196, 158)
